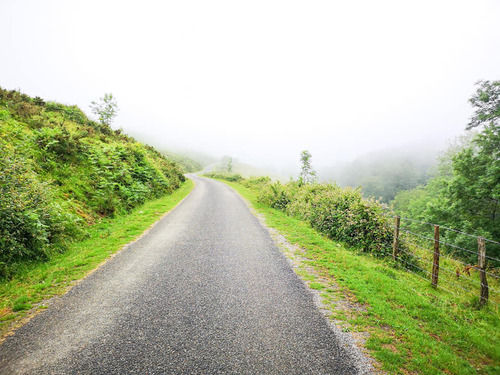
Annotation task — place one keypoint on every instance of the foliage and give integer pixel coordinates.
(224, 176)
(188, 164)
(307, 172)
(35, 282)
(465, 195)
(340, 213)
(486, 102)
(383, 174)
(474, 189)
(61, 172)
(105, 109)
(32, 224)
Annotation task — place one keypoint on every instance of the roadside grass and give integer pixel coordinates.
(413, 328)
(32, 285)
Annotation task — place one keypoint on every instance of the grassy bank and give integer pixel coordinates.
(413, 328)
(32, 285)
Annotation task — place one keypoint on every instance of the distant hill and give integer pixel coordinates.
(385, 173)
(237, 167)
(190, 161)
(60, 172)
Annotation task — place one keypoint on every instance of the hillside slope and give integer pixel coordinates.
(61, 172)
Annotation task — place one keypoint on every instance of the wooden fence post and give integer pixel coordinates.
(395, 244)
(435, 263)
(481, 264)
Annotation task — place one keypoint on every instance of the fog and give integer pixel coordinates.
(261, 80)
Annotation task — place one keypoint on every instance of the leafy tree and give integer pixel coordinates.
(486, 102)
(465, 195)
(474, 189)
(105, 108)
(307, 173)
(226, 164)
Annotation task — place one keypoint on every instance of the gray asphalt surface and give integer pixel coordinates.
(204, 292)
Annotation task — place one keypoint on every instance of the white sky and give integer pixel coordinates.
(260, 80)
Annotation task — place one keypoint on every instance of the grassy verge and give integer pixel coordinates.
(27, 291)
(413, 328)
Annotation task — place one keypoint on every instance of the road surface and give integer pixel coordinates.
(205, 291)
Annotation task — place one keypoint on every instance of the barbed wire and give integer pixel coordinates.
(430, 273)
(440, 286)
(416, 221)
(449, 271)
(495, 242)
(444, 243)
(443, 227)
(419, 235)
(472, 252)
(408, 233)
(458, 231)
(441, 255)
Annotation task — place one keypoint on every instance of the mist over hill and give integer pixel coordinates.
(382, 174)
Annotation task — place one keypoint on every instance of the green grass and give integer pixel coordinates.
(38, 282)
(413, 328)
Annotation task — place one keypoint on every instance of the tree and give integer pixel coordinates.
(465, 195)
(106, 109)
(307, 173)
(486, 102)
(475, 186)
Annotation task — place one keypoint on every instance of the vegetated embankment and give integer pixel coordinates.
(72, 192)
(62, 172)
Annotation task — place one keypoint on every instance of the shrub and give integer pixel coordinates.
(56, 141)
(340, 213)
(233, 177)
(31, 224)
(60, 171)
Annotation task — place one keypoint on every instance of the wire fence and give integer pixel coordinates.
(458, 270)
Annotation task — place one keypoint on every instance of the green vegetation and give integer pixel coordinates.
(63, 173)
(224, 176)
(307, 172)
(413, 328)
(36, 282)
(465, 194)
(385, 173)
(105, 109)
(189, 165)
(340, 213)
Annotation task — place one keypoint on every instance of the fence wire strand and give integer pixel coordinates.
(446, 243)
(441, 255)
(449, 271)
(409, 233)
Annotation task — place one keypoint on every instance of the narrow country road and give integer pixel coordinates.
(204, 292)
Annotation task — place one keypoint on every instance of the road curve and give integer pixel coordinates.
(204, 292)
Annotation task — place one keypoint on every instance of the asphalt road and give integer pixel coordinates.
(206, 291)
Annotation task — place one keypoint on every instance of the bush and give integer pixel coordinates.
(340, 213)
(56, 142)
(31, 224)
(233, 177)
(60, 171)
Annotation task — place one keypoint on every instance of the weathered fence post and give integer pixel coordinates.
(395, 244)
(481, 264)
(435, 263)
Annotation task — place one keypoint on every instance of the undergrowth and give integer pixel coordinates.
(35, 282)
(61, 173)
